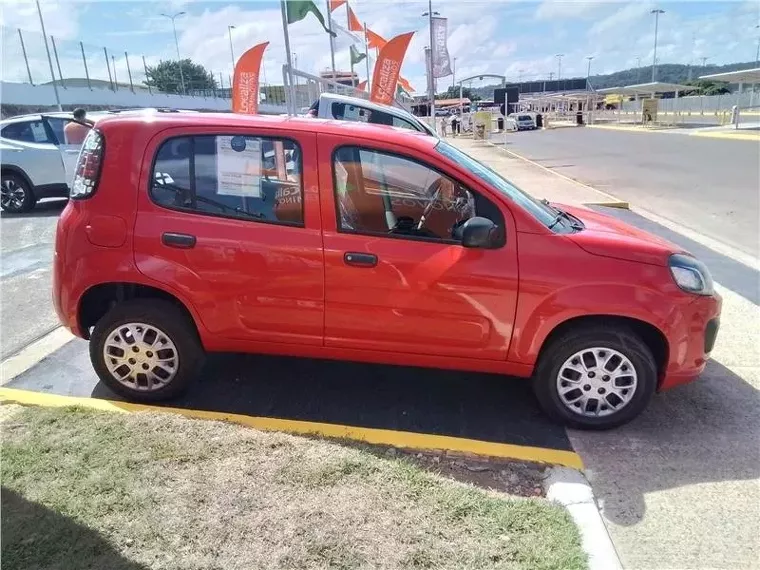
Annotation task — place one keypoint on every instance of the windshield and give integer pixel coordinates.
(542, 212)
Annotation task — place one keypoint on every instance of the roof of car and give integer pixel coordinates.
(303, 124)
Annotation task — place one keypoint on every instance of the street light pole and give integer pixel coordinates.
(232, 52)
(656, 13)
(588, 95)
(453, 74)
(559, 57)
(176, 44)
(50, 61)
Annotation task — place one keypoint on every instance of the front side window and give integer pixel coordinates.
(26, 131)
(235, 176)
(542, 212)
(384, 194)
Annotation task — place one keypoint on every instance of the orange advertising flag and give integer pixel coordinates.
(353, 22)
(375, 40)
(362, 86)
(387, 69)
(335, 4)
(405, 84)
(245, 82)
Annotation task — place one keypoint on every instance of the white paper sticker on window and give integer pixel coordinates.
(238, 166)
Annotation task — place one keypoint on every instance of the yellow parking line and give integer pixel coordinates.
(400, 439)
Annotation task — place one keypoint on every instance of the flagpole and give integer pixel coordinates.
(332, 39)
(292, 103)
(366, 51)
(432, 79)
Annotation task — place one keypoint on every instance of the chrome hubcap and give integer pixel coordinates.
(141, 357)
(11, 194)
(596, 382)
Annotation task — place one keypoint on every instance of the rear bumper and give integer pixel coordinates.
(693, 342)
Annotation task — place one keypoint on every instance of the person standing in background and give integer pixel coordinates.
(74, 131)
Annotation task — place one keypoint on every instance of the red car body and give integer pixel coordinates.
(275, 289)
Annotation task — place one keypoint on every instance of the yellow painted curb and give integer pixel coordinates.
(734, 136)
(400, 439)
(612, 203)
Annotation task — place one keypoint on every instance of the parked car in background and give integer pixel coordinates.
(344, 108)
(187, 234)
(524, 121)
(37, 160)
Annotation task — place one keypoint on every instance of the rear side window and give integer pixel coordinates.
(234, 176)
(26, 131)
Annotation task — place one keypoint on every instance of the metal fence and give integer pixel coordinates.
(700, 103)
(78, 64)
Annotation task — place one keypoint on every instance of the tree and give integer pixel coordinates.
(453, 93)
(706, 87)
(166, 76)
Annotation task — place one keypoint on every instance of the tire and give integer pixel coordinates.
(166, 319)
(556, 359)
(17, 195)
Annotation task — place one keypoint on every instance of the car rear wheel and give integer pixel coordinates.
(595, 377)
(146, 350)
(15, 194)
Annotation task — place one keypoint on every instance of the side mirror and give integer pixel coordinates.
(481, 233)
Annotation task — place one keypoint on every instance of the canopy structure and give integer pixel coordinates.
(645, 89)
(750, 76)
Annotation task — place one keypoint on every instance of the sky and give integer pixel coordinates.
(518, 39)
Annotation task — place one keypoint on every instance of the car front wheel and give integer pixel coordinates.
(146, 350)
(15, 194)
(595, 377)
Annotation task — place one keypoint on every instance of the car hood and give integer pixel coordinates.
(609, 237)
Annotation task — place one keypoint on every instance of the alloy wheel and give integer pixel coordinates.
(142, 357)
(11, 194)
(596, 382)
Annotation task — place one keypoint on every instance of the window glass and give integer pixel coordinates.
(540, 211)
(380, 193)
(26, 131)
(235, 176)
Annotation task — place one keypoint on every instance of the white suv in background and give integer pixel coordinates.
(36, 161)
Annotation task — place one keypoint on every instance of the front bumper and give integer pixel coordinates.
(693, 341)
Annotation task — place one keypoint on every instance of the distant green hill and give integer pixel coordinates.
(669, 72)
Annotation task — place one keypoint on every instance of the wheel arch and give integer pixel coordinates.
(99, 299)
(652, 336)
(13, 169)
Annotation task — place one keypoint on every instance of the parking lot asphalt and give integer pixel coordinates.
(26, 258)
(707, 185)
(474, 406)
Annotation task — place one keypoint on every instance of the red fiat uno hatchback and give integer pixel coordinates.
(190, 233)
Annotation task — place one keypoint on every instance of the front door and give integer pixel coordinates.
(395, 277)
(69, 149)
(232, 222)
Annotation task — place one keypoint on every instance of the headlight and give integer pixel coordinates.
(690, 274)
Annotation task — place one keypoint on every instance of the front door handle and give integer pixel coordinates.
(360, 259)
(181, 241)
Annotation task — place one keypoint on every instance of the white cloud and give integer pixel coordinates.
(568, 9)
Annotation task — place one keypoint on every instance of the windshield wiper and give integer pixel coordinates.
(574, 222)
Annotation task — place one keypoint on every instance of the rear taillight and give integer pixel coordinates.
(88, 166)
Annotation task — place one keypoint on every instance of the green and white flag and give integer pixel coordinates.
(297, 10)
(356, 55)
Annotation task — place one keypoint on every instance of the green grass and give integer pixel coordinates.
(84, 489)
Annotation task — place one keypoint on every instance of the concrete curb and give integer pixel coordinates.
(570, 488)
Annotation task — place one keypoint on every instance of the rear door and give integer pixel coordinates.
(393, 284)
(30, 145)
(231, 221)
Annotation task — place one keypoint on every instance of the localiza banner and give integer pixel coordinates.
(441, 60)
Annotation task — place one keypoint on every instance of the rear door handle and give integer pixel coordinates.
(359, 259)
(181, 241)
